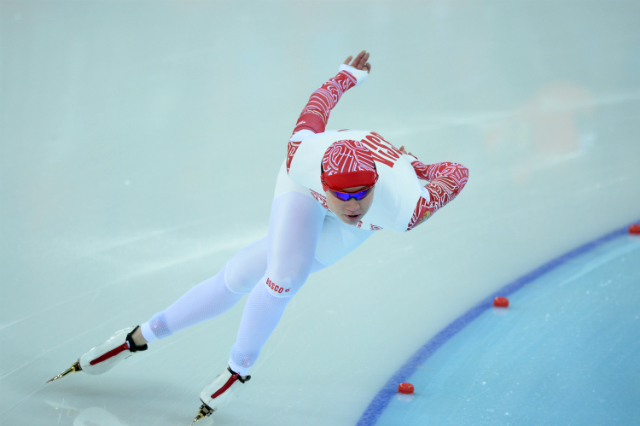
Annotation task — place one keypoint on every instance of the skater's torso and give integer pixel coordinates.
(397, 190)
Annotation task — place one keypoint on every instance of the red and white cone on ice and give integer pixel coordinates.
(219, 392)
(103, 357)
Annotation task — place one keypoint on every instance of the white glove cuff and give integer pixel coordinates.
(360, 75)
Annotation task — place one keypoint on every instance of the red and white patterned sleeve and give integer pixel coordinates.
(315, 114)
(446, 180)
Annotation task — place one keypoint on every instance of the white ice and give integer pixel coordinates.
(139, 145)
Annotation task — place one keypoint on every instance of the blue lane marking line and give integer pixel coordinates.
(383, 397)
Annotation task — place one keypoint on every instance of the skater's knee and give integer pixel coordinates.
(241, 280)
(246, 268)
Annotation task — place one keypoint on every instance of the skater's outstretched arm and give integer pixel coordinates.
(315, 114)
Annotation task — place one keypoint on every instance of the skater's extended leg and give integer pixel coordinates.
(295, 225)
(211, 297)
(206, 300)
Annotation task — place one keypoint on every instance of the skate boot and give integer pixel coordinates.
(102, 358)
(219, 392)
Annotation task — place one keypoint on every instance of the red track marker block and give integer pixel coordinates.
(405, 388)
(501, 302)
(635, 229)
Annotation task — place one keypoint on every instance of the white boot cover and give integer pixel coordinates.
(102, 358)
(219, 392)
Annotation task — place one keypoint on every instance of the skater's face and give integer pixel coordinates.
(352, 210)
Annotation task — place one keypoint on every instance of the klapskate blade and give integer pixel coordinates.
(205, 412)
(74, 368)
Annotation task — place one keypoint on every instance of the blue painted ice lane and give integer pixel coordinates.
(566, 352)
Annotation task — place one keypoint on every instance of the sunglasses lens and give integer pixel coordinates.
(345, 196)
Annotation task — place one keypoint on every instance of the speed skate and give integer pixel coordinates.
(219, 392)
(104, 357)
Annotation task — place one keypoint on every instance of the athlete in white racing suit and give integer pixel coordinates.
(334, 190)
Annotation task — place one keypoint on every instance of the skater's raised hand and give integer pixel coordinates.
(360, 62)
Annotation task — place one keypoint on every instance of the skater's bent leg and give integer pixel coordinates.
(294, 227)
(259, 318)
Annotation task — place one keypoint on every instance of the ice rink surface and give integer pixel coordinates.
(139, 146)
(564, 352)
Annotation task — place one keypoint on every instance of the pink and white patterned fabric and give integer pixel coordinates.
(348, 164)
(315, 114)
(319, 198)
(446, 179)
(446, 182)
